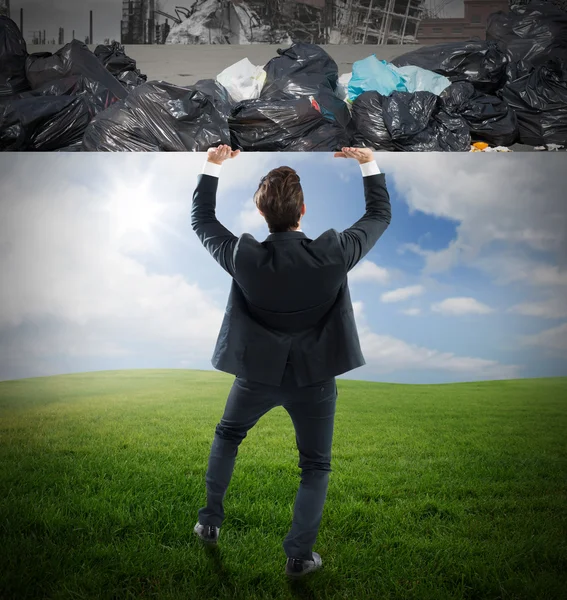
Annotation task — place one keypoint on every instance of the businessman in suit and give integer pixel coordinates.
(288, 330)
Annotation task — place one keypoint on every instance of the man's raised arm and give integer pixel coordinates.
(358, 240)
(216, 238)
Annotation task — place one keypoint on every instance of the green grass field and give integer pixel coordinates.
(437, 491)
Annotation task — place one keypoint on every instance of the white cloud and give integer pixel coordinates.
(516, 200)
(386, 354)
(461, 306)
(402, 293)
(550, 339)
(250, 220)
(66, 263)
(412, 312)
(552, 308)
(366, 270)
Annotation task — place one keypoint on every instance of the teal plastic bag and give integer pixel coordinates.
(373, 74)
(417, 79)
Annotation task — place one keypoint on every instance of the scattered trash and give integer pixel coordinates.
(243, 80)
(13, 54)
(482, 63)
(498, 149)
(550, 147)
(158, 116)
(479, 146)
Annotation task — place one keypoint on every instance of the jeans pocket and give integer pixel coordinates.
(328, 390)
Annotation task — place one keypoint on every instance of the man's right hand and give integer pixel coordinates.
(362, 155)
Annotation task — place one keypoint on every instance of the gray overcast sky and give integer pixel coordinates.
(70, 14)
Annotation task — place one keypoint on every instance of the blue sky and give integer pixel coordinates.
(100, 268)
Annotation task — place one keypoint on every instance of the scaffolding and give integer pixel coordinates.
(380, 21)
(134, 22)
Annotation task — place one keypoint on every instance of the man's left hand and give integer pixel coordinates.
(220, 154)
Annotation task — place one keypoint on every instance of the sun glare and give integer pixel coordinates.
(133, 209)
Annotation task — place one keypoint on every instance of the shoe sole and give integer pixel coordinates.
(306, 571)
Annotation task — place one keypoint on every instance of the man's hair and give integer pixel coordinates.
(280, 197)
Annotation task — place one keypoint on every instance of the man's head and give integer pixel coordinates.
(279, 199)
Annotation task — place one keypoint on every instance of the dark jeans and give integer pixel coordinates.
(312, 411)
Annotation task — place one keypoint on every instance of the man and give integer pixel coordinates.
(288, 330)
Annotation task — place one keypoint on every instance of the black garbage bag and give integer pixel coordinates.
(419, 122)
(317, 85)
(302, 58)
(43, 123)
(98, 97)
(13, 54)
(73, 59)
(489, 117)
(114, 58)
(292, 125)
(368, 121)
(533, 33)
(159, 116)
(539, 99)
(222, 100)
(482, 63)
(131, 79)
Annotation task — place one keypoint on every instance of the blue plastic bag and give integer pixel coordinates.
(417, 79)
(373, 74)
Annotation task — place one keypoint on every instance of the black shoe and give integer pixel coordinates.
(297, 567)
(208, 533)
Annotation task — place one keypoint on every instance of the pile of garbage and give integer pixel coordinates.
(456, 96)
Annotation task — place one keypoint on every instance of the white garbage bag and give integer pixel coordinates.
(342, 86)
(243, 80)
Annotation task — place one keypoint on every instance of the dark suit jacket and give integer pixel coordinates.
(289, 300)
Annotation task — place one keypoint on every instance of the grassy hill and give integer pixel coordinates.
(437, 491)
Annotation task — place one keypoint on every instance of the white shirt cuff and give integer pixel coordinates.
(369, 168)
(210, 168)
